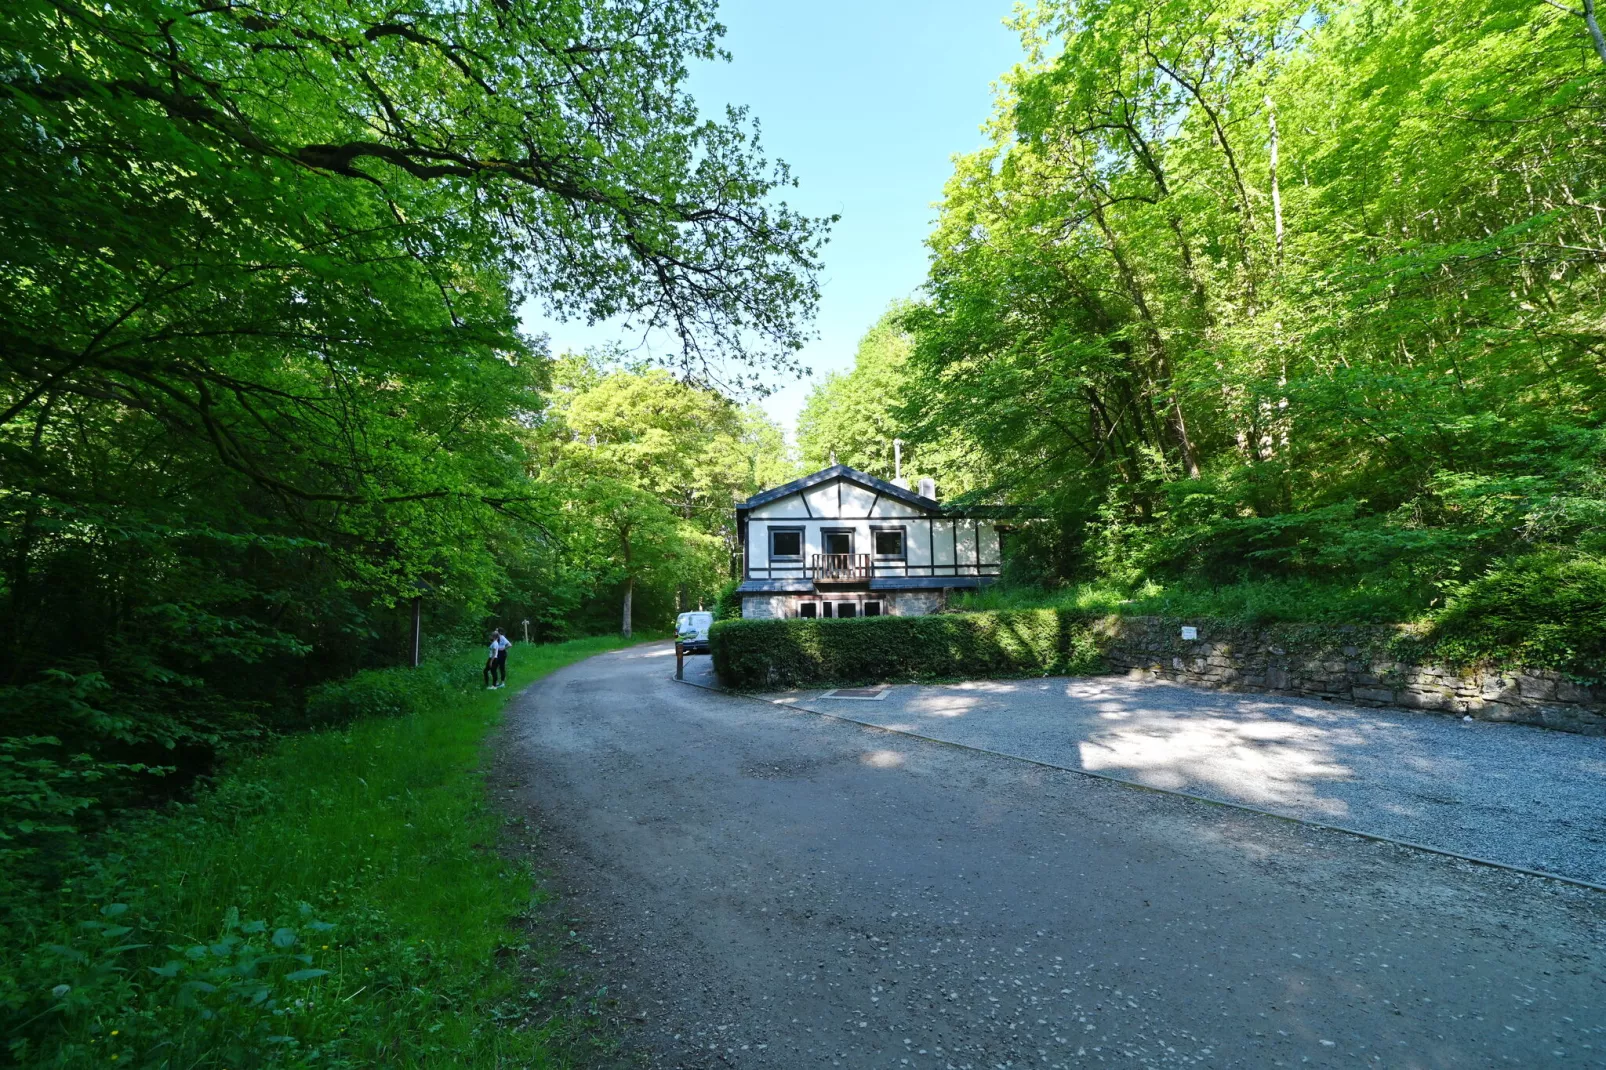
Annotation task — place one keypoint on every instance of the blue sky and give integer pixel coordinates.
(867, 101)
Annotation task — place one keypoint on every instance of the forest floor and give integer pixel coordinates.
(760, 886)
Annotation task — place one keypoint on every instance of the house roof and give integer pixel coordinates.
(840, 471)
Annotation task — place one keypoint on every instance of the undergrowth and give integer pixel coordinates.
(1542, 610)
(1254, 602)
(338, 901)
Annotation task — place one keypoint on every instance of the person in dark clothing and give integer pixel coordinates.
(496, 661)
(490, 665)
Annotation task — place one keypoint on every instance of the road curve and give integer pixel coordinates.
(768, 888)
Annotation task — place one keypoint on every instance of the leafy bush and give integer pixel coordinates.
(790, 653)
(1545, 610)
(728, 604)
(1294, 601)
(393, 692)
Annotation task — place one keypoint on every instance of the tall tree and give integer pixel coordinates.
(860, 415)
(260, 369)
(1264, 286)
(658, 464)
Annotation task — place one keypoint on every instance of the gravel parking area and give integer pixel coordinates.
(749, 886)
(1514, 794)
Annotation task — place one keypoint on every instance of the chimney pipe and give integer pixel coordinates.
(897, 459)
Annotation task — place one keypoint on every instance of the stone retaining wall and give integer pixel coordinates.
(1369, 666)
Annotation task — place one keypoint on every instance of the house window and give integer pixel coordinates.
(825, 608)
(838, 541)
(846, 609)
(872, 609)
(786, 544)
(808, 610)
(888, 542)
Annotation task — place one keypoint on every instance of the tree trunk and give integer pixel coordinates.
(630, 581)
(1276, 193)
(1159, 366)
(1594, 29)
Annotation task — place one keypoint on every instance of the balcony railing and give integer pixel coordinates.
(860, 568)
(840, 568)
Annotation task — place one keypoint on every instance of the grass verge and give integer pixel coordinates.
(338, 901)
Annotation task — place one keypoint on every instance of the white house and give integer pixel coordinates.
(841, 543)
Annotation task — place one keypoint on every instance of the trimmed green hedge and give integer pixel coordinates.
(795, 652)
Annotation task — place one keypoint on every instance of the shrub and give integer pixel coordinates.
(1545, 610)
(728, 603)
(790, 653)
(388, 692)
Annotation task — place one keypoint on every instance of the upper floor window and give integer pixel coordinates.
(838, 542)
(786, 544)
(888, 542)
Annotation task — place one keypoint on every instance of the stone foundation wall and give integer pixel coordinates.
(1362, 665)
(768, 606)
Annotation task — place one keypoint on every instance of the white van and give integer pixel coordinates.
(691, 629)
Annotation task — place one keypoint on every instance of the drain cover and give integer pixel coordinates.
(863, 694)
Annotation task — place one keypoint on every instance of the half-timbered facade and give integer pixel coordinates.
(842, 543)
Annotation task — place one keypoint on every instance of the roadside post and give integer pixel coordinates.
(420, 589)
(680, 660)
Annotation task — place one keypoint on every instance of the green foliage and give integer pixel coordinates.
(803, 653)
(262, 379)
(395, 692)
(728, 603)
(1251, 602)
(336, 901)
(858, 416)
(1544, 610)
(1274, 298)
(649, 469)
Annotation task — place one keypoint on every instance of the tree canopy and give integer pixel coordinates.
(1261, 290)
(261, 373)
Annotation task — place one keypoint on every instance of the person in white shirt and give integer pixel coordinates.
(496, 663)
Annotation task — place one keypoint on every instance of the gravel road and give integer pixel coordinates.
(1516, 794)
(763, 887)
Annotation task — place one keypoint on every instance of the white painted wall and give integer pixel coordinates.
(926, 541)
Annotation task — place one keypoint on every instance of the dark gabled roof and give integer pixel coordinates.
(841, 471)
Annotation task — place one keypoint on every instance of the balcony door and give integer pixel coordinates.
(838, 540)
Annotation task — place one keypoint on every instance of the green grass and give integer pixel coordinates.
(365, 851)
(1255, 602)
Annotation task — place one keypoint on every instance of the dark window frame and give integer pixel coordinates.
(802, 544)
(825, 539)
(851, 607)
(815, 606)
(903, 539)
(880, 607)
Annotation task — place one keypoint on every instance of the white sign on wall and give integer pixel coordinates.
(1189, 632)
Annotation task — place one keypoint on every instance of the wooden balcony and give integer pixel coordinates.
(839, 568)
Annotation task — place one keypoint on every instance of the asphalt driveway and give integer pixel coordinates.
(1516, 794)
(761, 886)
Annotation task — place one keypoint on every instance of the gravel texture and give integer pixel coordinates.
(1515, 794)
(762, 887)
